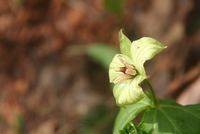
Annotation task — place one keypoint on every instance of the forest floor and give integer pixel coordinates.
(49, 86)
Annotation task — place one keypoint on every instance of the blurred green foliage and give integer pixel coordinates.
(101, 53)
(115, 6)
(20, 124)
(18, 2)
(98, 120)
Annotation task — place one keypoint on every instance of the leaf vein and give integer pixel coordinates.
(198, 116)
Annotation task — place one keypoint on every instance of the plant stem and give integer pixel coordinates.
(152, 92)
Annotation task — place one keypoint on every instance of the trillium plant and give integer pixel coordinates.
(127, 72)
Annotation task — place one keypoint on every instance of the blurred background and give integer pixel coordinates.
(54, 58)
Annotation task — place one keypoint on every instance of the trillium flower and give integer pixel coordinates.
(127, 70)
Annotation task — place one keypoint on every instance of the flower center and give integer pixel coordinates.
(128, 71)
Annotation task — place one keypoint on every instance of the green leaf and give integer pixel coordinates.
(144, 49)
(131, 128)
(101, 53)
(172, 118)
(115, 6)
(127, 114)
(125, 44)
